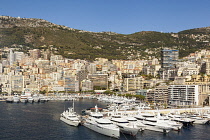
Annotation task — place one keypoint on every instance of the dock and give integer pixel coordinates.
(162, 111)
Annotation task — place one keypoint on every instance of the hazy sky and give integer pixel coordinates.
(120, 16)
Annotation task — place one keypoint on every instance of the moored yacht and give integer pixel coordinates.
(70, 117)
(16, 98)
(124, 125)
(30, 99)
(9, 100)
(23, 98)
(153, 123)
(175, 125)
(182, 119)
(133, 120)
(36, 98)
(198, 119)
(97, 123)
(42, 98)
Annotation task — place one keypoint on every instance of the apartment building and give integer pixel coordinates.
(183, 95)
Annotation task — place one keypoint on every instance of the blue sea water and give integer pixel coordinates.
(41, 121)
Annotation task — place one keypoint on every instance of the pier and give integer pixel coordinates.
(202, 110)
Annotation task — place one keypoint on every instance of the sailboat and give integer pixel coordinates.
(70, 117)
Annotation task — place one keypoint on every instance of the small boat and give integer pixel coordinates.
(9, 100)
(36, 98)
(16, 98)
(23, 98)
(42, 98)
(30, 99)
(70, 117)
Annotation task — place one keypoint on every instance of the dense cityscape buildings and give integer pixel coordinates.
(168, 80)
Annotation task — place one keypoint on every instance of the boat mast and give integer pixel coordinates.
(73, 104)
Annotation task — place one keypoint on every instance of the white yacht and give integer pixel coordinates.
(133, 120)
(198, 119)
(124, 125)
(16, 98)
(97, 123)
(182, 119)
(42, 98)
(23, 98)
(70, 117)
(36, 98)
(153, 123)
(175, 125)
(9, 100)
(30, 99)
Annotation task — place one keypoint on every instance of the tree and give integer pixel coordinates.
(43, 92)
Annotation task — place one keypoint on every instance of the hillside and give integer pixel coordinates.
(33, 33)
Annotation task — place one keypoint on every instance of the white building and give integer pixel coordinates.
(86, 85)
(18, 56)
(190, 71)
(183, 95)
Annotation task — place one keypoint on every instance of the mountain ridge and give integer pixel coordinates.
(74, 43)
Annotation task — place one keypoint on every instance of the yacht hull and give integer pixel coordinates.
(102, 130)
(129, 130)
(200, 121)
(158, 129)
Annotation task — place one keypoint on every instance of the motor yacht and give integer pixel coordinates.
(9, 100)
(96, 122)
(70, 117)
(181, 118)
(16, 98)
(124, 125)
(133, 120)
(153, 123)
(36, 98)
(198, 119)
(30, 99)
(175, 125)
(23, 98)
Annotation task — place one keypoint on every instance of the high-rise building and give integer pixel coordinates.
(169, 58)
(18, 56)
(1, 68)
(207, 66)
(71, 84)
(11, 57)
(81, 75)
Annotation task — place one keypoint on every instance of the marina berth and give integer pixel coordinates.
(96, 122)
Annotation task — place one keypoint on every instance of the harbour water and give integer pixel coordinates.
(41, 121)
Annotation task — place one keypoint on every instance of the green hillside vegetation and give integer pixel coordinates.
(90, 45)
